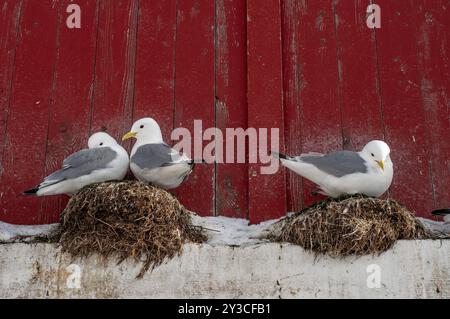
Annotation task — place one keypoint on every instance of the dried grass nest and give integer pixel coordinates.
(127, 219)
(351, 225)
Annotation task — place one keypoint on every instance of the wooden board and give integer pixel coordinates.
(231, 103)
(9, 28)
(27, 124)
(267, 197)
(360, 99)
(434, 67)
(194, 94)
(115, 67)
(403, 112)
(155, 64)
(71, 96)
(291, 89)
(319, 107)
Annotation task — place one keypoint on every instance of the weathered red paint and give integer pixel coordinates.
(311, 68)
(73, 78)
(231, 102)
(403, 112)
(27, 123)
(358, 87)
(113, 95)
(318, 111)
(434, 67)
(155, 64)
(291, 88)
(194, 93)
(267, 197)
(9, 28)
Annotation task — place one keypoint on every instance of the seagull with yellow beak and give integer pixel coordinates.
(367, 172)
(152, 160)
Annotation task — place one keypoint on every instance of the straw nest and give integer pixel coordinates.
(352, 225)
(127, 219)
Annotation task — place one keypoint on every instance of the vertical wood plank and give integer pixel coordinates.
(27, 125)
(402, 105)
(267, 197)
(318, 95)
(10, 13)
(71, 98)
(194, 93)
(292, 111)
(434, 66)
(358, 77)
(115, 67)
(231, 102)
(154, 90)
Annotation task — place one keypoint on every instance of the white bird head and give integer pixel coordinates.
(101, 139)
(146, 129)
(378, 151)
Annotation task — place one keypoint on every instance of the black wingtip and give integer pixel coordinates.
(441, 212)
(278, 155)
(30, 192)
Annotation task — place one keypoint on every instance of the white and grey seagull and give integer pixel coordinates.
(103, 160)
(368, 172)
(152, 160)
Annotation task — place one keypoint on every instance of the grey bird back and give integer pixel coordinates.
(84, 162)
(149, 156)
(337, 164)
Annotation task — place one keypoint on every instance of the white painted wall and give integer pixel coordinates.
(411, 269)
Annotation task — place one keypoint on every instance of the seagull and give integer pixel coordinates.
(153, 161)
(445, 213)
(102, 161)
(367, 172)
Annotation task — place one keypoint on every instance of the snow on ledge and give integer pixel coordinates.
(223, 231)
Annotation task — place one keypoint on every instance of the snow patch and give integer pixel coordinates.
(221, 231)
(10, 233)
(226, 231)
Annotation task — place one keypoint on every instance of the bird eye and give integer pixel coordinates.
(101, 143)
(372, 155)
(142, 126)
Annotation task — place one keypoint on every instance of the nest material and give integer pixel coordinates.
(355, 225)
(127, 219)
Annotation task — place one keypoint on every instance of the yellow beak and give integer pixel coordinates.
(129, 135)
(381, 164)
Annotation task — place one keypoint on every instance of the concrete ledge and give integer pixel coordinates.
(412, 269)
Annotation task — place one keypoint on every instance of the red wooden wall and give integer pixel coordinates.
(311, 68)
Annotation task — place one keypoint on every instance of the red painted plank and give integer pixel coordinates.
(231, 102)
(358, 75)
(402, 105)
(154, 90)
(24, 155)
(291, 87)
(115, 67)
(318, 95)
(267, 197)
(434, 66)
(194, 93)
(71, 98)
(9, 22)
